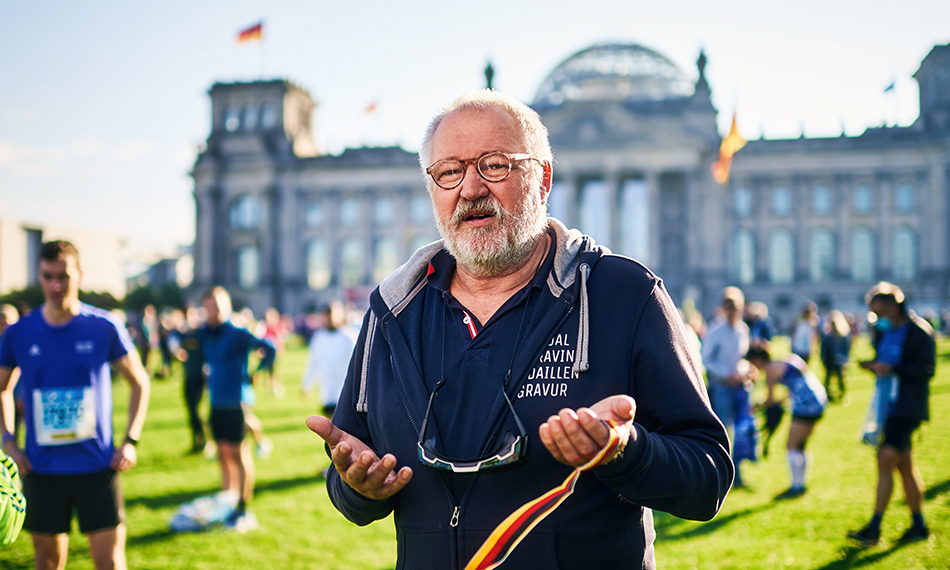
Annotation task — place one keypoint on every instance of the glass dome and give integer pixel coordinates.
(614, 72)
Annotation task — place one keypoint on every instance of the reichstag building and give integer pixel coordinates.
(801, 219)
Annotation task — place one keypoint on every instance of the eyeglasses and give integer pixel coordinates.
(510, 451)
(492, 166)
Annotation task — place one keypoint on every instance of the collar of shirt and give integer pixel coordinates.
(442, 268)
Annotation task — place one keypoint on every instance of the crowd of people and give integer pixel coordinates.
(510, 329)
(737, 352)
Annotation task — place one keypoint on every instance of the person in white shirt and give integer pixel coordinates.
(724, 349)
(330, 349)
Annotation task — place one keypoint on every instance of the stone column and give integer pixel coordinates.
(884, 230)
(271, 246)
(653, 191)
(615, 213)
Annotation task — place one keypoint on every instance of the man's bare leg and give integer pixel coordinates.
(50, 551)
(108, 548)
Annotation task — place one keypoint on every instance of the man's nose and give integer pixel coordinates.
(473, 186)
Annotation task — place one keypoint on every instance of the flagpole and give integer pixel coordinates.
(260, 54)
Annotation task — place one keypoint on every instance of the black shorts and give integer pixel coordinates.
(807, 419)
(897, 433)
(50, 499)
(227, 424)
(328, 410)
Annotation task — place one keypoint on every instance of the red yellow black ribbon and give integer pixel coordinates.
(513, 529)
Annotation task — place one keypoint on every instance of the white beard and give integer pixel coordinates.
(497, 249)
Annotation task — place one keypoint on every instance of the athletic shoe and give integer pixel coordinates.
(241, 521)
(791, 493)
(915, 533)
(264, 448)
(866, 536)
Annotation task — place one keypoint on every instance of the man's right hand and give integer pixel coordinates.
(358, 465)
(22, 463)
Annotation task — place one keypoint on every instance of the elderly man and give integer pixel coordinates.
(514, 324)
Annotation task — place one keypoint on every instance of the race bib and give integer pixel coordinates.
(64, 415)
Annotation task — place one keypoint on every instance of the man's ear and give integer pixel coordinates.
(546, 181)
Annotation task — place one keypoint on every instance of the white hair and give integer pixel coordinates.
(529, 122)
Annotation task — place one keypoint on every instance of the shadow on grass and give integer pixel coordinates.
(850, 557)
(936, 490)
(667, 523)
(173, 500)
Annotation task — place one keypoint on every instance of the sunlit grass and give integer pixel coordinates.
(301, 529)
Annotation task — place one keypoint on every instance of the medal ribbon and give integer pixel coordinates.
(513, 529)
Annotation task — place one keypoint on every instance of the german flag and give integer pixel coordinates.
(730, 146)
(507, 535)
(254, 33)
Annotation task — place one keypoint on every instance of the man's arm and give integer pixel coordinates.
(676, 459)
(357, 466)
(919, 355)
(140, 387)
(8, 381)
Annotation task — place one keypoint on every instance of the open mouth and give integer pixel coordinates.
(473, 216)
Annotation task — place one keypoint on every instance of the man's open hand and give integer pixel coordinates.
(358, 465)
(574, 438)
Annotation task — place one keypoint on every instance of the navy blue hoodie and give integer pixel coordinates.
(595, 325)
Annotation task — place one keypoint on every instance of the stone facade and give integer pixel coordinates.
(802, 219)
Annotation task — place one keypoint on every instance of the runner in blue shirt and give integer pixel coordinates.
(64, 351)
(226, 349)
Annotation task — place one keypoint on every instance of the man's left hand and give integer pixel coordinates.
(575, 437)
(880, 368)
(125, 457)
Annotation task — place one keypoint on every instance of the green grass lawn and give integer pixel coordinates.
(301, 529)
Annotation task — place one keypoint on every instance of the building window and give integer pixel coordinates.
(862, 255)
(905, 255)
(781, 201)
(232, 119)
(821, 199)
(269, 116)
(384, 211)
(351, 261)
(904, 198)
(635, 213)
(249, 267)
(743, 255)
(863, 199)
(385, 259)
(313, 217)
(557, 201)
(349, 212)
(245, 213)
(595, 211)
(250, 117)
(742, 202)
(821, 255)
(781, 257)
(420, 210)
(318, 264)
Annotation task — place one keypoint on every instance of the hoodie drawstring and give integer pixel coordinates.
(581, 364)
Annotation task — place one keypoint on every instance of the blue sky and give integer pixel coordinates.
(102, 104)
